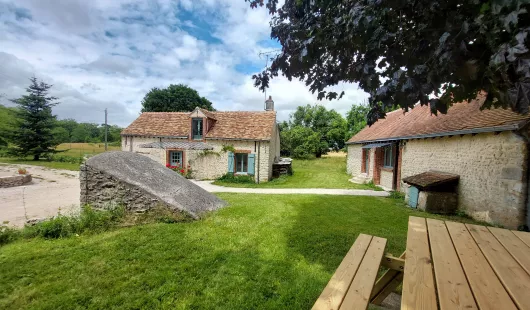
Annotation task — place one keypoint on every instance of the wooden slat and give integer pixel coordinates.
(451, 283)
(487, 288)
(333, 294)
(358, 296)
(512, 275)
(387, 283)
(524, 236)
(515, 246)
(418, 282)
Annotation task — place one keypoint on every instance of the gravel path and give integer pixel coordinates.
(207, 185)
(51, 191)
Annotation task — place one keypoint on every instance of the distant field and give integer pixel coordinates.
(80, 149)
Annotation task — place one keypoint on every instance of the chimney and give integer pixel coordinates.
(269, 104)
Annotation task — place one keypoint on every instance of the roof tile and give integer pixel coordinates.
(420, 121)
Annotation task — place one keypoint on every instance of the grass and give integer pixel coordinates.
(81, 149)
(262, 252)
(42, 163)
(75, 150)
(325, 172)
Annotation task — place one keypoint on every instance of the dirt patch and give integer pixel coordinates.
(51, 191)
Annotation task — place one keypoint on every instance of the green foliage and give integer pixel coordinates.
(237, 179)
(205, 153)
(228, 148)
(356, 119)
(301, 142)
(7, 116)
(397, 195)
(64, 159)
(404, 51)
(174, 98)
(32, 131)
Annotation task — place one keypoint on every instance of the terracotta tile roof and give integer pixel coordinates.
(228, 125)
(462, 116)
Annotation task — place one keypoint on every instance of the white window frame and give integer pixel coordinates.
(241, 164)
(179, 157)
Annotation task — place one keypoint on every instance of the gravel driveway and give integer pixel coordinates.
(50, 191)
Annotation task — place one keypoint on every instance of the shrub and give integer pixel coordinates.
(8, 234)
(241, 179)
(397, 195)
(64, 159)
(22, 171)
(185, 172)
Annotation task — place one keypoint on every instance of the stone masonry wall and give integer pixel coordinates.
(386, 178)
(492, 172)
(103, 191)
(355, 159)
(15, 180)
(207, 167)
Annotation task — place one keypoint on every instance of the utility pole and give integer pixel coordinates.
(106, 129)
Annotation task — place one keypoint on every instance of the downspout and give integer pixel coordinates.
(523, 134)
(395, 168)
(259, 148)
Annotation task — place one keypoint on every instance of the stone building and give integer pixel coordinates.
(211, 144)
(488, 149)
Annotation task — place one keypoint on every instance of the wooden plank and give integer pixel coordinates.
(389, 288)
(451, 283)
(394, 263)
(381, 288)
(333, 294)
(358, 296)
(524, 236)
(512, 275)
(418, 282)
(515, 246)
(487, 288)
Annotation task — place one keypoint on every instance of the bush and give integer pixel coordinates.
(397, 195)
(64, 159)
(240, 179)
(8, 234)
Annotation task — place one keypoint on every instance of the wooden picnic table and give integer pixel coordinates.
(446, 265)
(452, 265)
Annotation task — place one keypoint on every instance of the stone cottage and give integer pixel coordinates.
(211, 144)
(488, 149)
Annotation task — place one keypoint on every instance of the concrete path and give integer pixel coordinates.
(207, 185)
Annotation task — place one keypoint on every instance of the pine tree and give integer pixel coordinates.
(32, 134)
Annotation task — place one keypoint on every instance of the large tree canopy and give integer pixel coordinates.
(174, 98)
(404, 51)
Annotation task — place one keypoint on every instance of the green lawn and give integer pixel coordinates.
(262, 252)
(326, 172)
(42, 163)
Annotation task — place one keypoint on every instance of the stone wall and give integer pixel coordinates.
(492, 172)
(211, 166)
(355, 159)
(140, 184)
(386, 178)
(103, 191)
(15, 180)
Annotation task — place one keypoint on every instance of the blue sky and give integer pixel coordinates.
(107, 54)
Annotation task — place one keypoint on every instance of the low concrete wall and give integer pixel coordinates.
(15, 180)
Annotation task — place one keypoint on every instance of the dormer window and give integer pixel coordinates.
(196, 128)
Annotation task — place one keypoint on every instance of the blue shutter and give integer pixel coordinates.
(230, 162)
(251, 164)
(413, 196)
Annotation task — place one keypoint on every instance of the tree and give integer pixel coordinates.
(6, 124)
(300, 142)
(175, 98)
(33, 131)
(405, 51)
(69, 125)
(356, 119)
(330, 126)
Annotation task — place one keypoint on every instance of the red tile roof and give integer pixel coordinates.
(227, 125)
(461, 117)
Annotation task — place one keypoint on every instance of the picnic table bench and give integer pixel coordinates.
(446, 265)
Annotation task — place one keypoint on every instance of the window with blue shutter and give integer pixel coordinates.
(230, 162)
(251, 159)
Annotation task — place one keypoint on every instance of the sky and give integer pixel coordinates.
(108, 54)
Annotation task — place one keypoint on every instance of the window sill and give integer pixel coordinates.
(389, 169)
(241, 173)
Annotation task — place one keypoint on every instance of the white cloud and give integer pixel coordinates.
(108, 54)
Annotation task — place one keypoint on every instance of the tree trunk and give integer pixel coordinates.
(36, 157)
